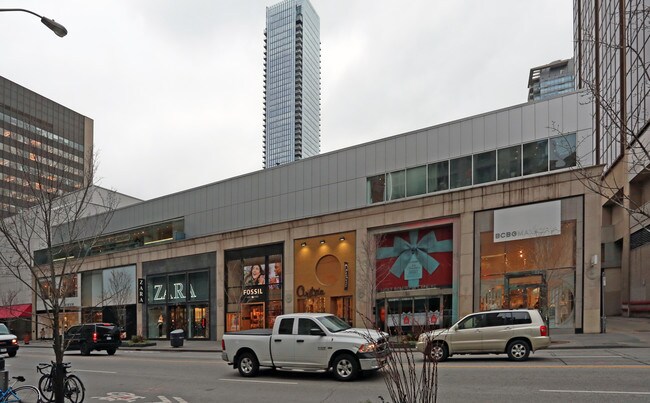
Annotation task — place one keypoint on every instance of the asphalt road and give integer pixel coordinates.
(585, 375)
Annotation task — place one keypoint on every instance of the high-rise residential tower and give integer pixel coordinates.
(291, 82)
(550, 80)
(43, 146)
(612, 60)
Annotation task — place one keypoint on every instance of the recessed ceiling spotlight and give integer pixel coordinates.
(322, 241)
(303, 244)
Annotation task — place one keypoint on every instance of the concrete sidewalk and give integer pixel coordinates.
(621, 333)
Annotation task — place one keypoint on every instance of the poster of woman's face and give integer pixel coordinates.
(254, 275)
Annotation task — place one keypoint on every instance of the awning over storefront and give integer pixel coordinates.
(16, 311)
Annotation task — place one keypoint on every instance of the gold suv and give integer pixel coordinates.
(515, 332)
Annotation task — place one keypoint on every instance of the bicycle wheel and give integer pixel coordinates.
(75, 392)
(46, 388)
(23, 394)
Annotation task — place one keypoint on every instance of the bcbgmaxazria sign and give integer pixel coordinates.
(531, 221)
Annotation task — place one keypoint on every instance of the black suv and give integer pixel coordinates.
(93, 336)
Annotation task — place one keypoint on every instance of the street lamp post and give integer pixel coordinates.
(48, 22)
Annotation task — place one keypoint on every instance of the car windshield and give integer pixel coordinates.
(3, 329)
(333, 323)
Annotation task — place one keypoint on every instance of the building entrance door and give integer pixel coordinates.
(178, 318)
(526, 290)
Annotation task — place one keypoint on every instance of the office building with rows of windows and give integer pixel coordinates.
(43, 145)
(411, 230)
(291, 82)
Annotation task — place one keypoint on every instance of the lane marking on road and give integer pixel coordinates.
(567, 366)
(605, 392)
(90, 370)
(252, 381)
(586, 356)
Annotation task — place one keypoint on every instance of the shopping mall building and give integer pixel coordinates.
(419, 228)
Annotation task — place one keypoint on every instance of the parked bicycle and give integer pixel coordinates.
(74, 390)
(25, 393)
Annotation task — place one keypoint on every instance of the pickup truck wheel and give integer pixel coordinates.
(248, 365)
(437, 352)
(518, 350)
(111, 351)
(12, 353)
(346, 367)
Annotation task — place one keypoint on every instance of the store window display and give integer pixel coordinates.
(254, 287)
(536, 270)
(178, 301)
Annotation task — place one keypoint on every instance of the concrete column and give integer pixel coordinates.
(464, 259)
(592, 278)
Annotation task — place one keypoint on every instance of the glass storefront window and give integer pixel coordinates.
(396, 185)
(416, 181)
(157, 290)
(254, 288)
(438, 176)
(563, 151)
(175, 291)
(176, 288)
(156, 322)
(198, 286)
(509, 162)
(414, 315)
(460, 172)
(535, 157)
(485, 167)
(533, 273)
(199, 322)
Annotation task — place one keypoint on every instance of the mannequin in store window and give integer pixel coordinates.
(161, 322)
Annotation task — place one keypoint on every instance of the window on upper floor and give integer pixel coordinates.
(460, 172)
(535, 157)
(562, 151)
(416, 181)
(485, 167)
(375, 189)
(438, 178)
(395, 185)
(509, 162)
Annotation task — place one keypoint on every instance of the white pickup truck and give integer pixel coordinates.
(308, 342)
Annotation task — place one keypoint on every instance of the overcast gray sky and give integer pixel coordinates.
(175, 87)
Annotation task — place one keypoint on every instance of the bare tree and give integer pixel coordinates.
(368, 279)
(119, 293)
(407, 378)
(44, 246)
(8, 297)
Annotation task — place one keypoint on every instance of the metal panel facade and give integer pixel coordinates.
(337, 181)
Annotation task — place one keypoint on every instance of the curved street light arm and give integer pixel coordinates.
(48, 22)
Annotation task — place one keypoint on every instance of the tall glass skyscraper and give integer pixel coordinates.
(291, 82)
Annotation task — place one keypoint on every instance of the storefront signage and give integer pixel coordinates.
(177, 292)
(141, 291)
(347, 276)
(312, 292)
(253, 292)
(530, 221)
